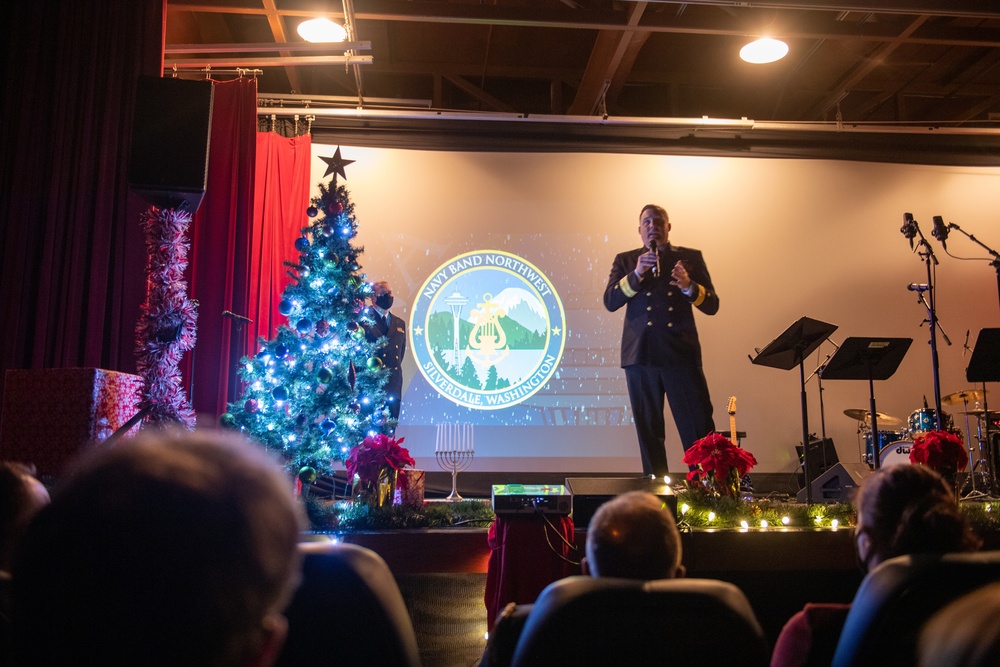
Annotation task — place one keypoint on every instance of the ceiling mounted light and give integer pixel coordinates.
(321, 30)
(764, 50)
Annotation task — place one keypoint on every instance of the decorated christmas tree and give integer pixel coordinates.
(317, 388)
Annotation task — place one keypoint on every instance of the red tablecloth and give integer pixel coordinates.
(528, 552)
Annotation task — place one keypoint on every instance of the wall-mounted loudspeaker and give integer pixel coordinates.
(171, 130)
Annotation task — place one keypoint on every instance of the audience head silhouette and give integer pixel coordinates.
(21, 496)
(173, 548)
(965, 633)
(634, 536)
(908, 509)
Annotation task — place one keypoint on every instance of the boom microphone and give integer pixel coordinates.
(238, 318)
(940, 231)
(656, 269)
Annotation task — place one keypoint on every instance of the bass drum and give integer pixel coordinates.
(895, 453)
(885, 438)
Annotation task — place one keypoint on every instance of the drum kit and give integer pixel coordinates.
(893, 446)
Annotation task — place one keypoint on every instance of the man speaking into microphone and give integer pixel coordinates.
(660, 351)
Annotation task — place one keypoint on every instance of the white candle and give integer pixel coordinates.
(437, 440)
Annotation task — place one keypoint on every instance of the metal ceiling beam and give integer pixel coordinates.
(725, 25)
(966, 8)
(263, 61)
(264, 47)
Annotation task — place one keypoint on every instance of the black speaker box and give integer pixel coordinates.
(822, 457)
(838, 484)
(171, 131)
(589, 493)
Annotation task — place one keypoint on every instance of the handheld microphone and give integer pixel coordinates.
(940, 231)
(909, 228)
(656, 269)
(918, 287)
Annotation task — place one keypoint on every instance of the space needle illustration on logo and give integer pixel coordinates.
(487, 329)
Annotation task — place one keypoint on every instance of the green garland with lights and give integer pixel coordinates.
(347, 516)
(698, 510)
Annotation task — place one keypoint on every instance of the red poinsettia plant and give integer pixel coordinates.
(940, 451)
(375, 454)
(718, 464)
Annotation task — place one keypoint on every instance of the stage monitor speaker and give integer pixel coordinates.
(838, 484)
(822, 457)
(589, 493)
(171, 132)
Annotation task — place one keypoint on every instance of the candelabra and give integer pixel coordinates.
(454, 449)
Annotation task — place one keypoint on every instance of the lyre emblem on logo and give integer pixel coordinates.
(487, 337)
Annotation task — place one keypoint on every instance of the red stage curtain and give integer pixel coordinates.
(219, 273)
(281, 197)
(72, 255)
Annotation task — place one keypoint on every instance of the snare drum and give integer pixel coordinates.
(884, 439)
(924, 420)
(895, 453)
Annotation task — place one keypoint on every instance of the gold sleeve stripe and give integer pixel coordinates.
(701, 296)
(626, 288)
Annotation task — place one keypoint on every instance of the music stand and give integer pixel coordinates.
(868, 359)
(984, 366)
(788, 350)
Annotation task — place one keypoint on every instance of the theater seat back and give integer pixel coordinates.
(347, 609)
(593, 621)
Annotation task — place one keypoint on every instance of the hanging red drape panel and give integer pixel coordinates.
(219, 277)
(281, 197)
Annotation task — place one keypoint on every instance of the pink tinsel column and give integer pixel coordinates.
(167, 326)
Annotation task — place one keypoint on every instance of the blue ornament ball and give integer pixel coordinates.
(327, 426)
(280, 351)
(304, 325)
(312, 211)
(302, 244)
(285, 307)
(279, 394)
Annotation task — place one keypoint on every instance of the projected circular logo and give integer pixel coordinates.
(487, 329)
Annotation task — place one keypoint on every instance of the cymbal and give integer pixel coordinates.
(865, 416)
(964, 396)
(978, 411)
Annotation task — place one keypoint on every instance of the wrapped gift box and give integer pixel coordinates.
(409, 488)
(51, 415)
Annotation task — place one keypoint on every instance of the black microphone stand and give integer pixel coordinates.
(926, 253)
(238, 322)
(818, 372)
(996, 256)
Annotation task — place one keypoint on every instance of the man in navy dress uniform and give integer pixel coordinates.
(660, 351)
